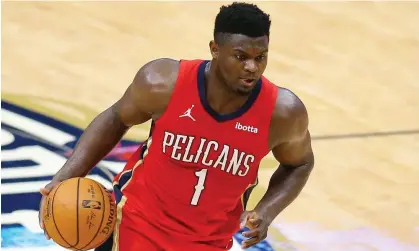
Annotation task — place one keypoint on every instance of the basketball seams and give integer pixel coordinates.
(101, 221)
(53, 219)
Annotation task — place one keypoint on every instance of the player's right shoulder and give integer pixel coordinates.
(151, 89)
(158, 75)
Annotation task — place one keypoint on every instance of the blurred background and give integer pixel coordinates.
(354, 64)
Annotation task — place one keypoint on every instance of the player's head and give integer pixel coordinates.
(240, 45)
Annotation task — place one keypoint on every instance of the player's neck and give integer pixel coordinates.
(221, 98)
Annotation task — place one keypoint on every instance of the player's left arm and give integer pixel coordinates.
(291, 146)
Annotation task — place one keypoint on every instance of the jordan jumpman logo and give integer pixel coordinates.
(188, 113)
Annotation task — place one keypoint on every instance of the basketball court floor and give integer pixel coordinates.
(354, 64)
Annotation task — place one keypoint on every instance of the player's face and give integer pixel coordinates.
(241, 61)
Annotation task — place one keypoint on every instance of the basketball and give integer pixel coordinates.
(79, 214)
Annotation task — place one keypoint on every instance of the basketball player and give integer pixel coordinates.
(187, 185)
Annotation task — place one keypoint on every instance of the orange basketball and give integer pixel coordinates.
(79, 214)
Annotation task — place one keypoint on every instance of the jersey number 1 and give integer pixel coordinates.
(201, 174)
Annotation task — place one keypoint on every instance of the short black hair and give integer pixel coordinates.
(241, 18)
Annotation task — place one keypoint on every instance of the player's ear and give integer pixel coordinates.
(214, 49)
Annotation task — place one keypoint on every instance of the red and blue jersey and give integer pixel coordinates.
(191, 177)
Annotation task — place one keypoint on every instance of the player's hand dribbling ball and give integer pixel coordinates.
(79, 214)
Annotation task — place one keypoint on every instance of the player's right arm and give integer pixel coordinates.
(146, 98)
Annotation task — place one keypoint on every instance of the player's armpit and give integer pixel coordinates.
(149, 93)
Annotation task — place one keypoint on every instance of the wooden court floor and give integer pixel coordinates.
(354, 64)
